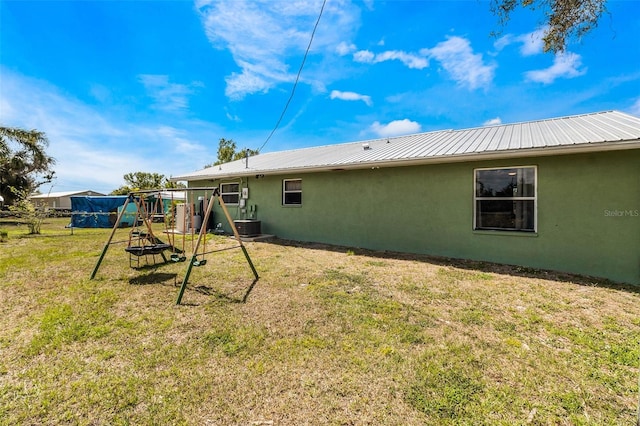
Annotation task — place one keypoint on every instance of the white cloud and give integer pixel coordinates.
(101, 93)
(635, 108)
(532, 42)
(345, 48)
(179, 139)
(351, 96)
(493, 122)
(267, 39)
(565, 65)
(455, 55)
(167, 96)
(395, 128)
(232, 117)
(457, 58)
(410, 60)
(364, 56)
(503, 42)
(6, 108)
(369, 4)
(247, 82)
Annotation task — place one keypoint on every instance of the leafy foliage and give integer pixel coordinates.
(563, 18)
(227, 152)
(144, 180)
(24, 164)
(28, 212)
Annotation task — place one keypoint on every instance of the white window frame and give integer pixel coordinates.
(285, 192)
(533, 198)
(236, 193)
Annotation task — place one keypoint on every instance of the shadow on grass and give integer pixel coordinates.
(42, 235)
(171, 278)
(228, 297)
(153, 278)
(470, 265)
(13, 222)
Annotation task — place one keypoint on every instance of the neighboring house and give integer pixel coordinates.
(59, 200)
(560, 194)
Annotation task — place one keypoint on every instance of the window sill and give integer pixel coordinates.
(505, 233)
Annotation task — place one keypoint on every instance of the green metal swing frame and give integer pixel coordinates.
(215, 196)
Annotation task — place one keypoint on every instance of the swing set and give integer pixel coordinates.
(179, 220)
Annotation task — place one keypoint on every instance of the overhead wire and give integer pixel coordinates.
(295, 84)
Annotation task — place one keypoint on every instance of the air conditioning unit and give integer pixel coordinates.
(247, 227)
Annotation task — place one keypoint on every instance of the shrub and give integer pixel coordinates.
(28, 212)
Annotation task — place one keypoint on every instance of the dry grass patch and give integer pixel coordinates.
(328, 335)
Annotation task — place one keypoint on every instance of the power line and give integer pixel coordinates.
(293, 90)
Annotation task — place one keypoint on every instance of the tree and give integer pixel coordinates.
(24, 163)
(247, 152)
(144, 180)
(563, 18)
(227, 152)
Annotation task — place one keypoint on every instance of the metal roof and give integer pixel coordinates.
(64, 194)
(602, 131)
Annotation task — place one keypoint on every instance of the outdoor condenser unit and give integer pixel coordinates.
(247, 227)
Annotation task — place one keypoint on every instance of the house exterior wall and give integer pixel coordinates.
(47, 203)
(56, 203)
(64, 203)
(588, 212)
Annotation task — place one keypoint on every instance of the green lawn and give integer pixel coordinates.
(327, 336)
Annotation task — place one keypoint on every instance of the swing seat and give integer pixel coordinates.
(177, 258)
(200, 262)
(147, 250)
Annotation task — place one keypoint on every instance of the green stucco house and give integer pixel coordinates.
(560, 194)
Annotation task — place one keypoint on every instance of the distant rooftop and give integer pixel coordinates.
(601, 131)
(64, 194)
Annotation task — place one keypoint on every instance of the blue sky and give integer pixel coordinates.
(126, 86)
